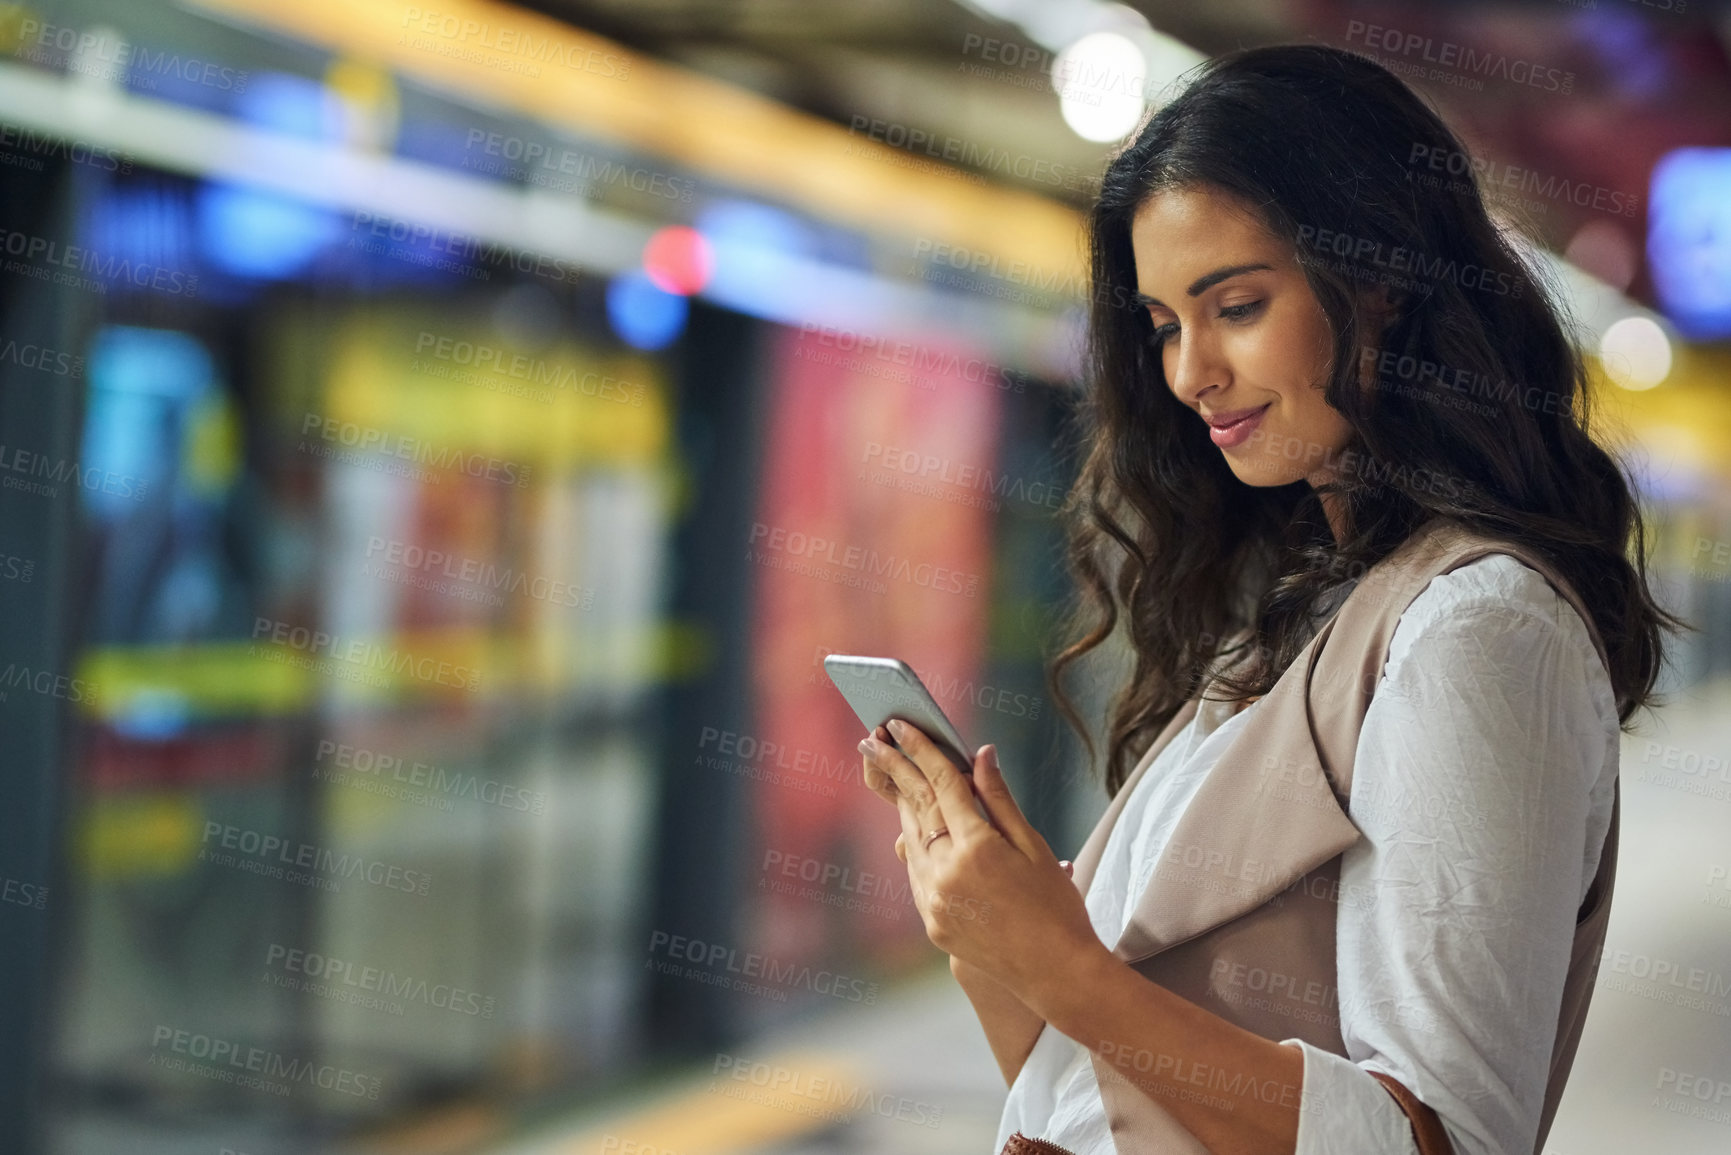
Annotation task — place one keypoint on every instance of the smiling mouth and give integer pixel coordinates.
(1230, 433)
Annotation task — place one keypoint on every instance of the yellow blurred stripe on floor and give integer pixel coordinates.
(743, 1107)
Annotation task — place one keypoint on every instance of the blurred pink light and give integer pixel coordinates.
(679, 260)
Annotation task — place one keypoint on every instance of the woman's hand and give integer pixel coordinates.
(991, 892)
(876, 780)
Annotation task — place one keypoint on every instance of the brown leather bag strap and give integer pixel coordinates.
(1427, 1129)
(1020, 1144)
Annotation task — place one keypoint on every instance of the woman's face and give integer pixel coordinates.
(1246, 343)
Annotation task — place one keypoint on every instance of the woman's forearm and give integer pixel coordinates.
(1168, 1047)
(1011, 1028)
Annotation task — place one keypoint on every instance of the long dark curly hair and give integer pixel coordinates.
(1478, 412)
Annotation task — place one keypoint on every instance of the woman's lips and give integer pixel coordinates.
(1235, 432)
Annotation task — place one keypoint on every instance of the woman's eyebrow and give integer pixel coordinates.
(1207, 281)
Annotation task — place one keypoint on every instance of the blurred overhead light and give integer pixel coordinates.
(642, 314)
(1689, 239)
(1636, 353)
(260, 234)
(1100, 80)
(679, 260)
(1058, 24)
(1168, 59)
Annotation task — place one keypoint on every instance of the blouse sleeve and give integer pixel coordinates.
(1478, 784)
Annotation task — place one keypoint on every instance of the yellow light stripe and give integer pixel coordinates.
(497, 54)
(1686, 418)
(702, 1119)
(247, 678)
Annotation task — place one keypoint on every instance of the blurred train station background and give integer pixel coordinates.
(439, 443)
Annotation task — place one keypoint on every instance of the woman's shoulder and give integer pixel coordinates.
(1499, 597)
(1494, 581)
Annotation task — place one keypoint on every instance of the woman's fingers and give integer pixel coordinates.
(995, 795)
(912, 792)
(952, 798)
(877, 780)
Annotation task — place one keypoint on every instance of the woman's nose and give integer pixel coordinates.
(1193, 367)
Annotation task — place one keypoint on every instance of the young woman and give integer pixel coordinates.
(1306, 351)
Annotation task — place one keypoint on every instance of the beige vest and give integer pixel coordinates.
(1250, 877)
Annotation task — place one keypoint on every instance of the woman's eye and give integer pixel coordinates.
(1162, 332)
(1240, 312)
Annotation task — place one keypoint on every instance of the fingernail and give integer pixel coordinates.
(898, 727)
(865, 745)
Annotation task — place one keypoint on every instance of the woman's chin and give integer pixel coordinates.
(1263, 472)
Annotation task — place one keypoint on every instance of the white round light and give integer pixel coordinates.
(1100, 81)
(1636, 353)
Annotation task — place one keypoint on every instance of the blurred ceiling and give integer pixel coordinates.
(1646, 78)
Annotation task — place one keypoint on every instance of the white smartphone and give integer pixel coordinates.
(879, 689)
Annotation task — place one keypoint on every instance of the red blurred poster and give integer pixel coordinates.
(873, 536)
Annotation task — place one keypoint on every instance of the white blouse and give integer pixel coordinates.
(1482, 784)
